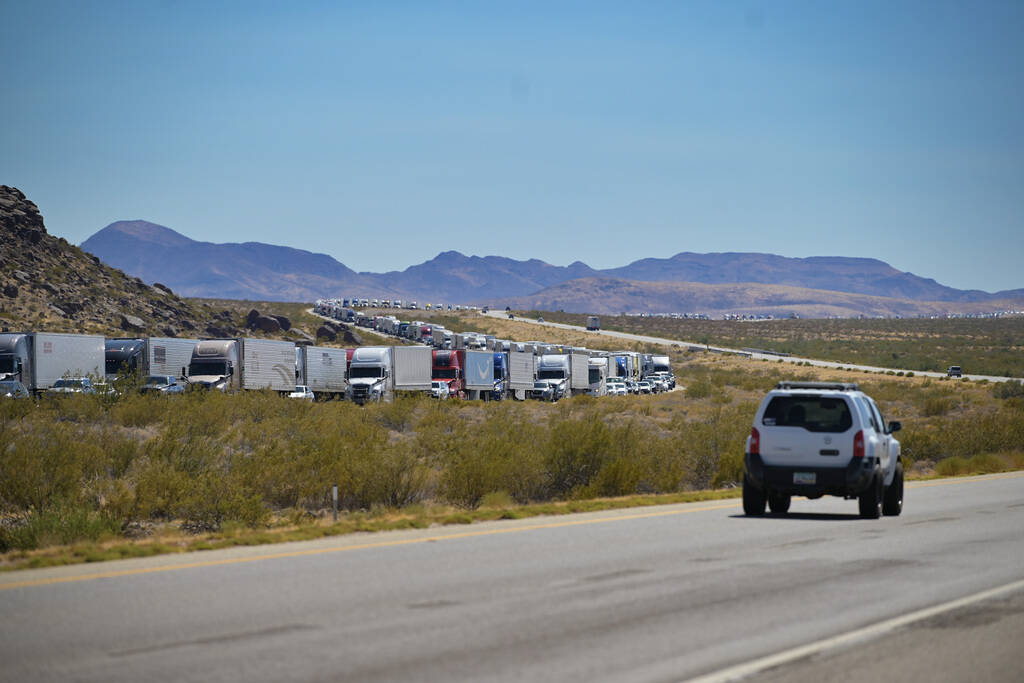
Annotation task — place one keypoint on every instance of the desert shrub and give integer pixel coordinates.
(1009, 389)
(699, 389)
(573, 453)
(61, 523)
(952, 467)
(937, 405)
(497, 455)
(47, 463)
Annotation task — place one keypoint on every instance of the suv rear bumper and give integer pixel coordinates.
(851, 480)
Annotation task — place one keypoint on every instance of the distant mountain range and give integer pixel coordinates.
(257, 271)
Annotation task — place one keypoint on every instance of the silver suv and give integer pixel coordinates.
(816, 438)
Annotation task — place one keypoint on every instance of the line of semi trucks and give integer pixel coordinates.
(477, 367)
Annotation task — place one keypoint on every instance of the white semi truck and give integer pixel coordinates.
(243, 363)
(38, 359)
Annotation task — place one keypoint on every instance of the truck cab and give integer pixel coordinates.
(500, 376)
(447, 367)
(123, 355)
(15, 358)
(369, 374)
(553, 369)
(214, 365)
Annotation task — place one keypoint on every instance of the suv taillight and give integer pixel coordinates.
(755, 441)
(858, 445)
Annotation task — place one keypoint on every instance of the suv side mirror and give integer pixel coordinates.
(895, 426)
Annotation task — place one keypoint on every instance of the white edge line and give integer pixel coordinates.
(739, 671)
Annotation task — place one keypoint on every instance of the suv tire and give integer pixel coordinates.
(871, 500)
(779, 503)
(892, 503)
(753, 499)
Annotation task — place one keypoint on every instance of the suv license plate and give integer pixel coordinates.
(804, 478)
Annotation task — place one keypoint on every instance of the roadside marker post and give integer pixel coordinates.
(334, 498)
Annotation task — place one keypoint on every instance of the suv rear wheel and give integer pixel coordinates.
(753, 499)
(871, 500)
(892, 503)
(778, 503)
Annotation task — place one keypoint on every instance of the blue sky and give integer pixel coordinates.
(382, 133)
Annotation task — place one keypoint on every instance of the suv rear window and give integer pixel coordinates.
(813, 413)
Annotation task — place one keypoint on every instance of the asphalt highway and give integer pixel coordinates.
(666, 593)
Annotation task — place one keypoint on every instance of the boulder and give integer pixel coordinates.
(352, 338)
(267, 324)
(250, 320)
(217, 332)
(10, 291)
(326, 333)
(162, 287)
(284, 322)
(131, 322)
(72, 307)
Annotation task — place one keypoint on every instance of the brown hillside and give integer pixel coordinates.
(612, 296)
(48, 284)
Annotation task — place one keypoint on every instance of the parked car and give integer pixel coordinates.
(954, 371)
(71, 385)
(818, 438)
(439, 389)
(161, 384)
(302, 392)
(12, 388)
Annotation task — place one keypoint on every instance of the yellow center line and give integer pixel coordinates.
(429, 539)
(361, 546)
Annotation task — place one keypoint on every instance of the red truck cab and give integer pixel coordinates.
(447, 367)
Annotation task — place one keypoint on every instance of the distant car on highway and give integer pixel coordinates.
(954, 371)
(439, 389)
(644, 387)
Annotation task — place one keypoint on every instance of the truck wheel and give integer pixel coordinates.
(892, 504)
(870, 501)
(778, 503)
(753, 499)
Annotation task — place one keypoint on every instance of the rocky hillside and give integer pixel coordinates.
(48, 284)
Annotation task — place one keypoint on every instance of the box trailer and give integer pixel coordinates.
(579, 380)
(521, 372)
(412, 367)
(66, 355)
(168, 355)
(322, 369)
(268, 364)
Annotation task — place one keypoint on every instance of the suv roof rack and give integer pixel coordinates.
(832, 386)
